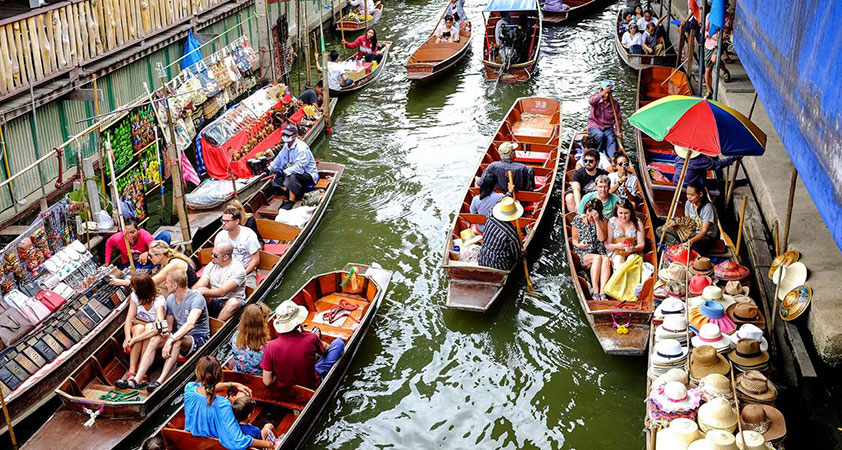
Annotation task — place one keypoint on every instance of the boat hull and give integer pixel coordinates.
(520, 72)
(353, 28)
(430, 61)
(639, 62)
(369, 78)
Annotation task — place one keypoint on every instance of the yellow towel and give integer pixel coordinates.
(625, 279)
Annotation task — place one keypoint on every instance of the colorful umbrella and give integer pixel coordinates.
(705, 126)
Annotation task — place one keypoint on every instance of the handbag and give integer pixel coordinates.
(50, 299)
(13, 326)
(36, 309)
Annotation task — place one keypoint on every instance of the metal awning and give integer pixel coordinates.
(511, 5)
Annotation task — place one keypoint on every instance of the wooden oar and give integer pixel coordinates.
(616, 121)
(740, 230)
(520, 237)
(737, 403)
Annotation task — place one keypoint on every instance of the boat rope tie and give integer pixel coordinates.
(117, 396)
(621, 329)
(342, 310)
(93, 415)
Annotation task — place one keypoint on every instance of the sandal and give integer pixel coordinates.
(127, 384)
(150, 388)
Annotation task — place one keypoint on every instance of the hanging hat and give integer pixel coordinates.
(753, 441)
(754, 387)
(702, 266)
(678, 253)
(678, 375)
(784, 259)
(794, 275)
(706, 360)
(698, 283)
(747, 355)
(734, 287)
(668, 352)
(674, 397)
(673, 327)
(469, 237)
(709, 334)
(764, 419)
(742, 313)
(749, 331)
(678, 435)
(718, 414)
(506, 148)
(711, 312)
(796, 302)
(682, 152)
(674, 272)
(730, 270)
(289, 315)
(715, 385)
(670, 306)
(507, 210)
(715, 440)
(713, 293)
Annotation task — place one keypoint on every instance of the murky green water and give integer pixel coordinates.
(528, 374)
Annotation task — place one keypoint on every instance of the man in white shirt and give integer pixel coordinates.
(647, 18)
(223, 283)
(243, 241)
(336, 76)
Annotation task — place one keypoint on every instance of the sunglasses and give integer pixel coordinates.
(589, 161)
(228, 220)
(214, 255)
(623, 164)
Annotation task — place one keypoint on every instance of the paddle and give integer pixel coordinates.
(520, 237)
(616, 122)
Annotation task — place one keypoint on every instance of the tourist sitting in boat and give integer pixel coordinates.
(243, 407)
(630, 6)
(243, 240)
(337, 78)
(601, 122)
(360, 7)
(589, 234)
(608, 200)
(487, 198)
(628, 18)
(522, 175)
(367, 46)
(312, 96)
(638, 13)
(165, 260)
(208, 414)
(623, 182)
(247, 219)
(248, 341)
(456, 9)
(448, 32)
(702, 211)
(584, 179)
(643, 22)
(223, 283)
(697, 170)
(139, 240)
(145, 316)
(188, 326)
(588, 142)
(633, 40)
(653, 43)
(290, 359)
(294, 167)
(502, 248)
(625, 234)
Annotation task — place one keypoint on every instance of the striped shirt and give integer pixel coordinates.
(501, 245)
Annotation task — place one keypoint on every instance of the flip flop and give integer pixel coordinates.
(152, 386)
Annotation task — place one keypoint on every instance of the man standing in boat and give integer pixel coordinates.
(605, 115)
(456, 9)
(523, 176)
(294, 167)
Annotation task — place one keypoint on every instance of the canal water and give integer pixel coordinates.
(529, 373)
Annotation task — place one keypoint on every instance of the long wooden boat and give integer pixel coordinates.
(431, 59)
(535, 124)
(363, 78)
(578, 8)
(355, 26)
(93, 379)
(519, 68)
(602, 314)
(639, 62)
(293, 411)
(656, 159)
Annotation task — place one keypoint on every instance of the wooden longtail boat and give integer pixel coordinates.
(535, 124)
(655, 159)
(602, 314)
(361, 78)
(578, 8)
(95, 377)
(639, 62)
(516, 60)
(293, 411)
(354, 26)
(431, 59)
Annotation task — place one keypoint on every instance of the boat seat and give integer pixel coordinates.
(181, 358)
(532, 157)
(276, 249)
(540, 181)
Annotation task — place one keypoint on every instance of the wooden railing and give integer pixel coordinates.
(56, 39)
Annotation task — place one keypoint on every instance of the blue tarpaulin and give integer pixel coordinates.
(796, 69)
(717, 16)
(192, 55)
(511, 5)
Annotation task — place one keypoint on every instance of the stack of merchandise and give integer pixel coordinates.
(673, 327)
(747, 355)
(672, 400)
(668, 354)
(709, 334)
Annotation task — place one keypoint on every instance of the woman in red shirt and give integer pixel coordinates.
(367, 45)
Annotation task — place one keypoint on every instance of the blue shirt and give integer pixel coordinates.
(295, 159)
(698, 168)
(251, 430)
(216, 421)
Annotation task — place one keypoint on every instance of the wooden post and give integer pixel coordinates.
(98, 139)
(264, 40)
(109, 155)
(6, 165)
(729, 185)
(753, 103)
(792, 183)
(777, 240)
(702, 49)
(307, 45)
(616, 121)
(740, 230)
(675, 196)
(325, 89)
(716, 64)
(8, 421)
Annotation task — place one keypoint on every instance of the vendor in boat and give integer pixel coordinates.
(337, 78)
(312, 96)
(502, 247)
(456, 9)
(243, 240)
(294, 167)
(487, 198)
(144, 319)
(697, 170)
(522, 175)
(589, 233)
(166, 259)
(623, 182)
(223, 283)
(608, 200)
(584, 179)
(208, 412)
(139, 240)
(361, 7)
(601, 121)
(188, 326)
(249, 340)
(632, 40)
(625, 234)
(698, 208)
(290, 359)
(367, 46)
(448, 32)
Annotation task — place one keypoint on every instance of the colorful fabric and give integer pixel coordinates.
(246, 360)
(625, 279)
(216, 420)
(188, 173)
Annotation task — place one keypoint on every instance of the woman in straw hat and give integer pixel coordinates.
(501, 247)
(589, 233)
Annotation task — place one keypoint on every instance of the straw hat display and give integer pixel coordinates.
(670, 306)
(698, 283)
(678, 375)
(673, 327)
(784, 259)
(746, 313)
(748, 356)
(672, 401)
(715, 440)
(736, 288)
(668, 354)
(709, 334)
(796, 302)
(753, 441)
(794, 275)
(674, 272)
(678, 253)
(763, 419)
(754, 387)
(705, 360)
(678, 435)
(702, 266)
(730, 270)
(740, 298)
(749, 331)
(715, 385)
(713, 293)
(718, 414)
(711, 312)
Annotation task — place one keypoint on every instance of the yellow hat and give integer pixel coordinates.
(468, 237)
(507, 210)
(682, 152)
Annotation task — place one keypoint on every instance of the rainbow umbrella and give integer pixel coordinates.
(705, 126)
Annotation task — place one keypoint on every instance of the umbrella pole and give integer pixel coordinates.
(675, 197)
(716, 65)
(729, 185)
(792, 184)
(520, 237)
(740, 230)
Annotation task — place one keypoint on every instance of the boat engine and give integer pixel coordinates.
(511, 37)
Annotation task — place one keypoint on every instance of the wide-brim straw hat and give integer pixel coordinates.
(718, 414)
(729, 270)
(507, 210)
(678, 435)
(753, 386)
(764, 419)
(713, 293)
(753, 441)
(794, 275)
(507, 147)
(702, 266)
(784, 259)
(674, 272)
(705, 360)
(748, 354)
(683, 151)
(715, 385)
(668, 352)
(710, 334)
(745, 313)
(749, 331)
(288, 315)
(734, 287)
(715, 440)
(796, 302)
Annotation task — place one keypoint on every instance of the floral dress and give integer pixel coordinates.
(246, 360)
(587, 234)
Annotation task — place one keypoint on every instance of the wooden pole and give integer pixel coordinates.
(325, 89)
(716, 65)
(342, 32)
(740, 230)
(753, 103)
(774, 318)
(264, 40)
(8, 421)
(737, 402)
(520, 237)
(729, 187)
(777, 240)
(616, 121)
(85, 200)
(307, 45)
(8, 171)
(109, 155)
(792, 184)
(99, 140)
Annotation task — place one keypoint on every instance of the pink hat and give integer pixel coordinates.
(698, 283)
